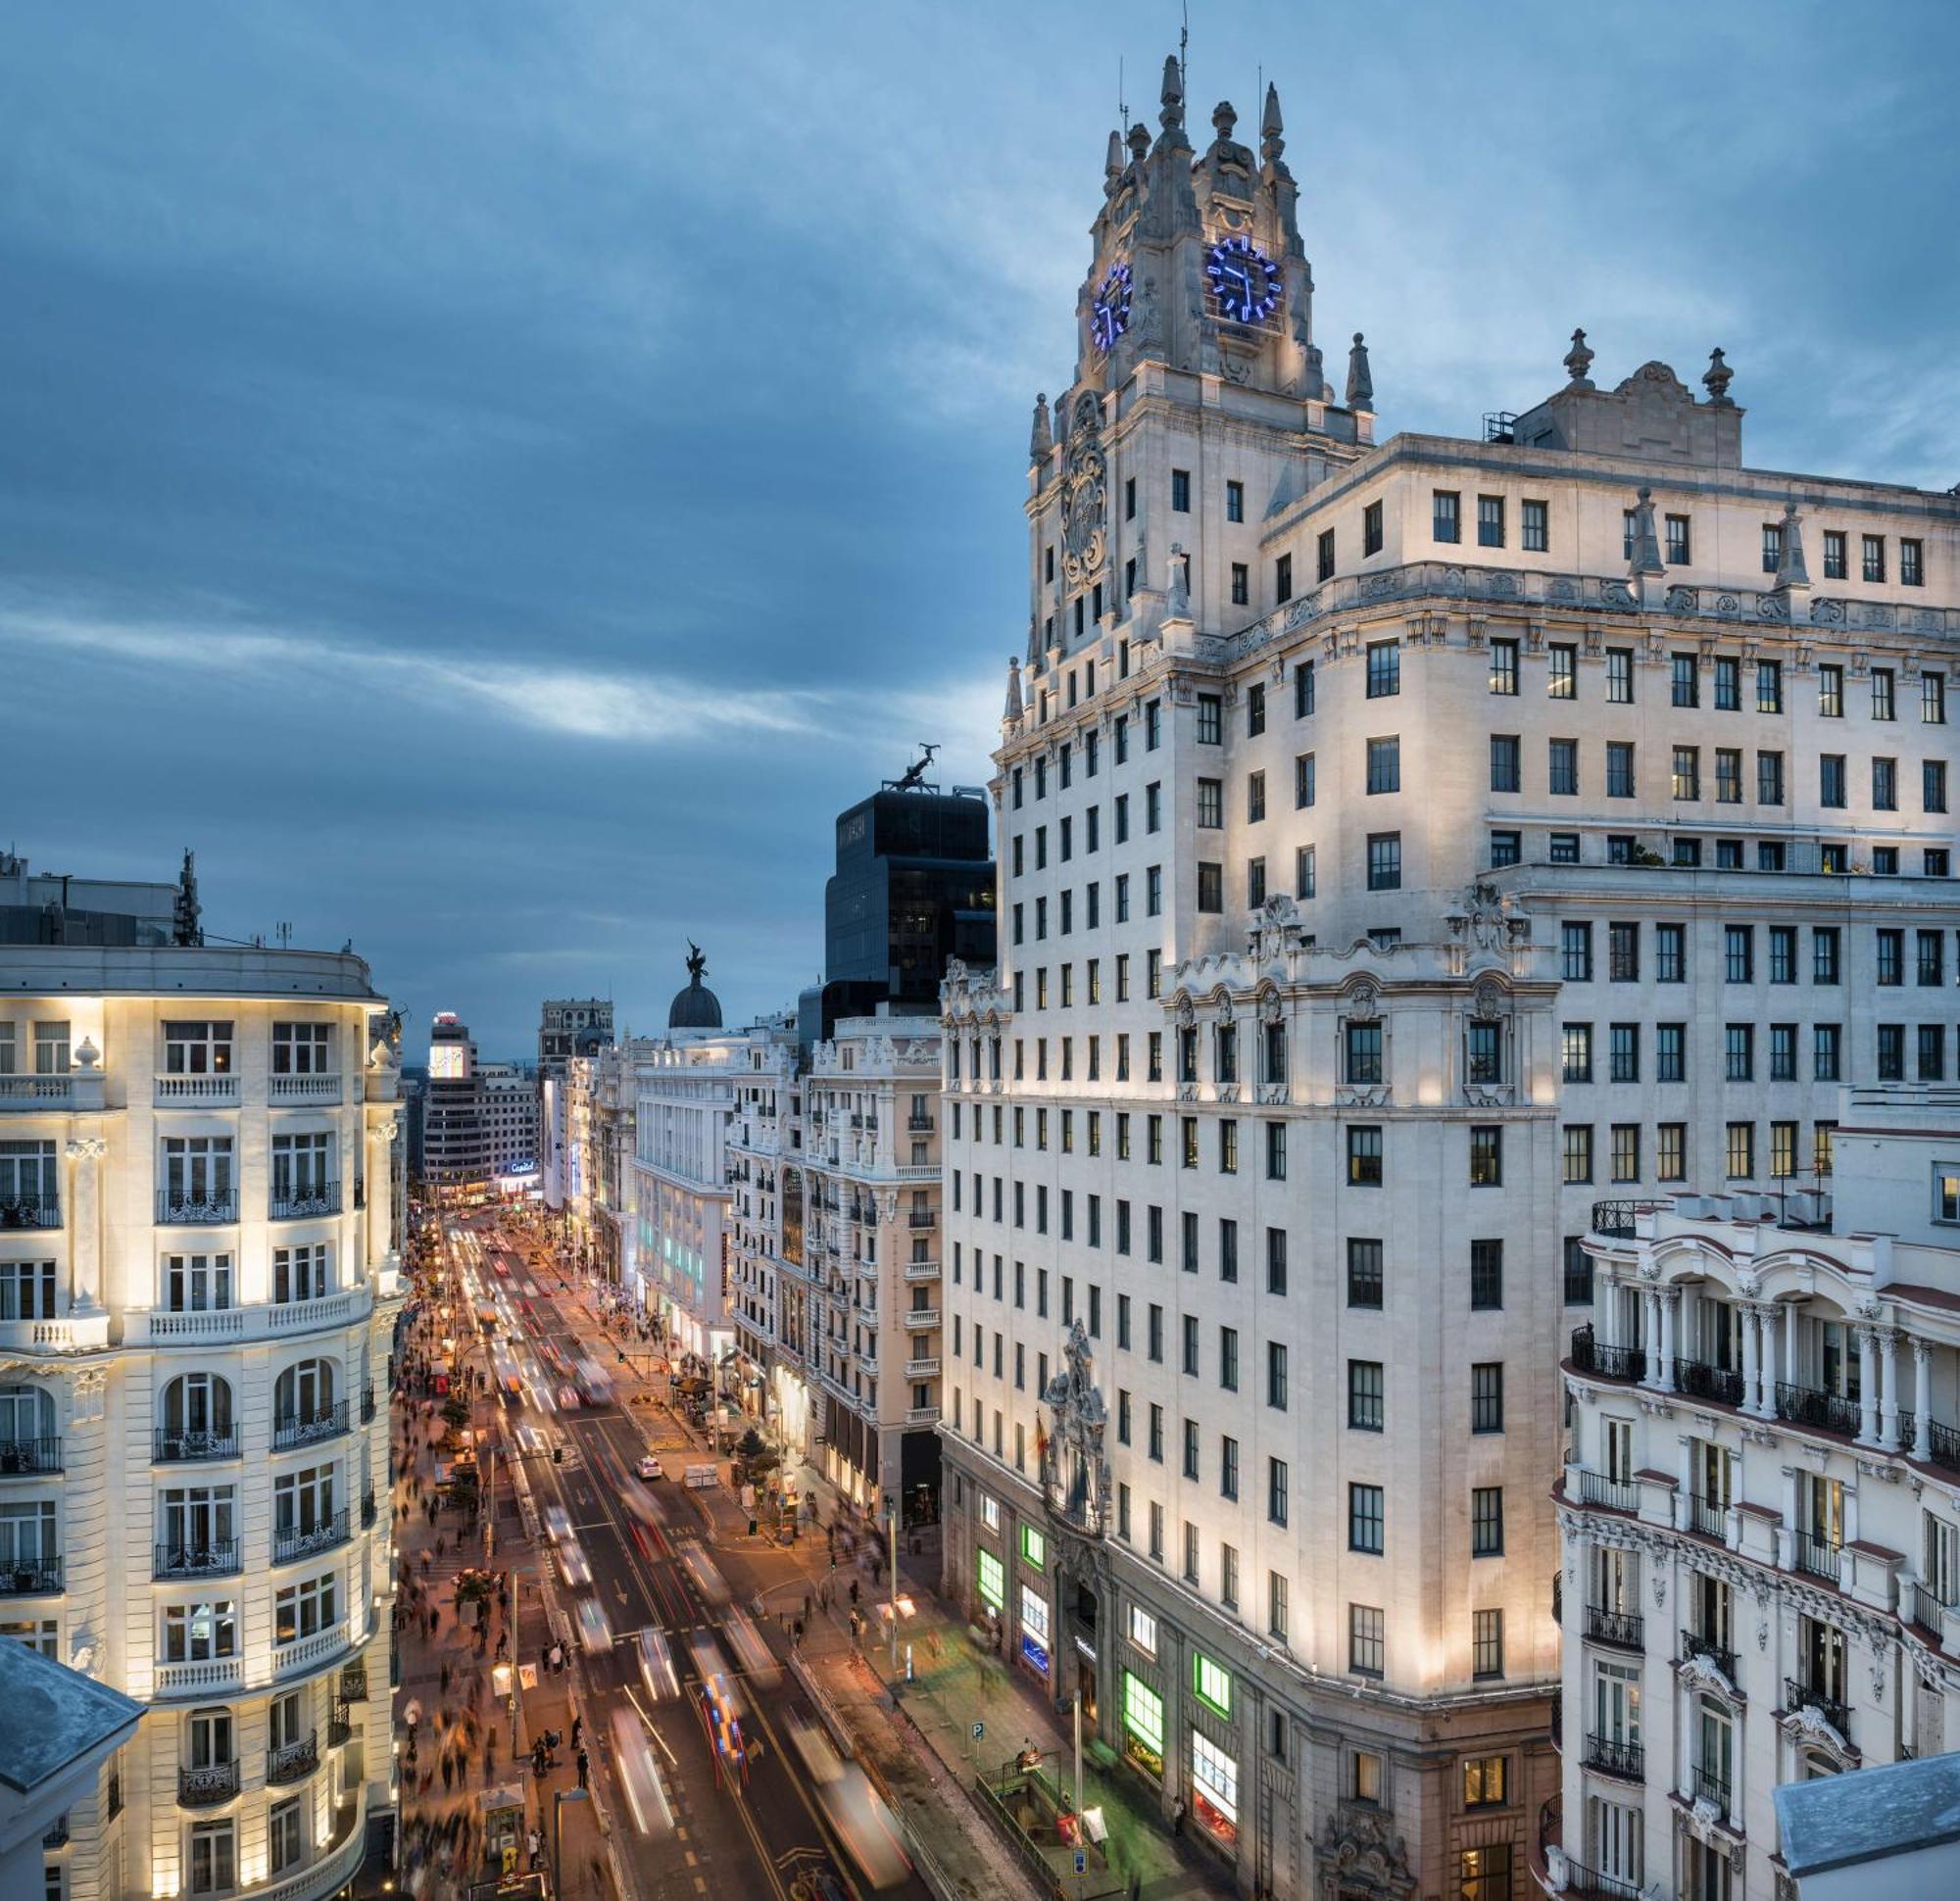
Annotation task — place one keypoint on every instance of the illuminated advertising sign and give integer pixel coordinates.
(449, 1062)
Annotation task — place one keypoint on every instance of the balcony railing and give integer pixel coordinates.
(1801, 1696)
(919, 1125)
(20, 1455)
(29, 1577)
(29, 1211)
(1627, 1629)
(1698, 1380)
(368, 1405)
(1614, 1756)
(178, 1444)
(58, 1835)
(196, 1092)
(1710, 1520)
(306, 1199)
(202, 1788)
(1825, 1412)
(921, 1270)
(216, 1560)
(1616, 1495)
(1927, 1609)
(1590, 1884)
(918, 1319)
(294, 1543)
(1816, 1555)
(1945, 1445)
(1710, 1787)
(305, 1088)
(36, 1091)
(923, 1218)
(354, 1683)
(1615, 1218)
(306, 1429)
(1719, 1654)
(339, 1723)
(1606, 1362)
(369, 1510)
(196, 1209)
(294, 1760)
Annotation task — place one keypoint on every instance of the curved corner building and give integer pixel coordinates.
(199, 1280)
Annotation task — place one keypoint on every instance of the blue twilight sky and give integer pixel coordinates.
(496, 477)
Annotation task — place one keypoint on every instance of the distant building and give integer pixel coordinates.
(199, 1284)
(568, 1027)
(478, 1120)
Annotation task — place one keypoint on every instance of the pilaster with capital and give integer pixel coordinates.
(1922, 1397)
(1888, 1406)
(1670, 1306)
(1868, 1386)
(84, 1229)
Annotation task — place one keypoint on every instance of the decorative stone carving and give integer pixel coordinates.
(1358, 1850)
(1074, 1466)
(1579, 361)
(1084, 493)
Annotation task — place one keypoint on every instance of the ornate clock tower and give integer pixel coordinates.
(1198, 391)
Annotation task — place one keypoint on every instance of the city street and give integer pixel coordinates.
(752, 1828)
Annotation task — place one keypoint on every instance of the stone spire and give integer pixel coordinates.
(1716, 379)
(1172, 118)
(1579, 361)
(1272, 141)
(1112, 164)
(1013, 707)
(1040, 439)
(1179, 607)
(1360, 384)
(1792, 569)
(1647, 560)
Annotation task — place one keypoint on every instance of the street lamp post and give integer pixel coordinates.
(892, 1524)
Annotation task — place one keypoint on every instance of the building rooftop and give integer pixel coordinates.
(55, 1716)
(1869, 1814)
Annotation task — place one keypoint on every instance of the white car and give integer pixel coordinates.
(595, 1632)
(650, 1468)
(571, 1561)
(657, 1666)
(558, 1523)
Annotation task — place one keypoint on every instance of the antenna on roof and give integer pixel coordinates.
(1183, 41)
(1122, 106)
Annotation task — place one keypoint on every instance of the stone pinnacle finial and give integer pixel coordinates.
(1179, 607)
(1013, 707)
(1647, 558)
(1272, 126)
(1040, 438)
(1717, 378)
(1171, 119)
(1361, 380)
(1792, 571)
(1224, 117)
(1579, 361)
(1139, 141)
(1112, 163)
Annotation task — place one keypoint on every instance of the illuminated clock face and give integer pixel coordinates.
(1246, 283)
(1109, 315)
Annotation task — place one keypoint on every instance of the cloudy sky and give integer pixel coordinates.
(496, 477)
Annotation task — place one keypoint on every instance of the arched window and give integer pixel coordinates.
(28, 1441)
(197, 1419)
(303, 1407)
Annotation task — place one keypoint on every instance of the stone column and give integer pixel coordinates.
(1753, 1394)
(1790, 1358)
(1670, 1300)
(1868, 1386)
(1888, 1408)
(1651, 1297)
(84, 1156)
(1684, 1492)
(1922, 1397)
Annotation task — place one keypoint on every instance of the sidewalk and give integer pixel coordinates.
(921, 1744)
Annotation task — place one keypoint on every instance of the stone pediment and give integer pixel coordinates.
(1656, 379)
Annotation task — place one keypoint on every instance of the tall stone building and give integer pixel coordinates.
(1401, 844)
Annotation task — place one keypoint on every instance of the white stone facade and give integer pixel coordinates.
(1760, 1507)
(198, 1289)
(1371, 902)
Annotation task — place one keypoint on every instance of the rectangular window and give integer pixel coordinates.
(1487, 1520)
(1365, 1639)
(1364, 1396)
(1487, 1660)
(1364, 1519)
(1364, 1158)
(1385, 764)
(1486, 1396)
(1503, 676)
(1620, 782)
(1371, 529)
(1385, 861)
(1620, 676)
(1487, 1276)
(1836, 566)
(1446, 516)
(1912, 563)
(1364, 1273)
(1685, 679)
(1489, 522)
(1873, 557)
(1679, 548)
(1536, 526)
(1180, 491)
(1385, 669)
(1563, 768)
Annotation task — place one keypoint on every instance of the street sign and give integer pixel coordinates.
(1081, 1861)
(979, 1730)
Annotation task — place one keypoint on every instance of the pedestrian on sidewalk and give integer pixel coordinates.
(584, 1770)
(577, 1728)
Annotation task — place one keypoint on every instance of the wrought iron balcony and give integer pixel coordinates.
(294, 1760)
(1801, 1696)
(296, 1202)
(1699, 1380)
(923, 1218)
(918, 1125)
(1945, 1445)
(1614, 1756)
(1606, 1362)
(21, 1455)
(1710, 1520)
(196, 1207)
(203, 1788)
(216, 1560)
(1616, 1495)
(1719, 1654)
(341, 1723)
(1615, 1218)
(308, 1429)
(1712, 1787)
(57, 1837)
(1825, 1412)
(368, 1405)
(177, 1444)
(29, 1577)
(354, 1683)
(1626, 1628)
(1816, 1555)
(295, 1544)
(29, 1211)
(368, 1511)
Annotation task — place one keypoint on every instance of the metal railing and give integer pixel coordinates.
(178, 1444)
(200, 1788)
(369, 1510)
(1590, 1884)
(296, 1544)
(1627, 1629)
(29, 1211)
(1710, 1520)
(294, 1758)
(1801, 1696)
(187, 1208)
(368, 1405)
(1719, 1654)
(18, 1456)
(354, 1683)
(1606, 1362)
(1929, 1608)
(305, 1429)
(1816, 1555)
(296, 1203)
(215, 1560)
(29, 1577)
(1615, 1218)
(1699, 1380)
(1943, 1444)
(58, 1835)
(1711, 1787)
(923, 1218)
(1616, 1495)
(1615, 1756)
(1824, 1412)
